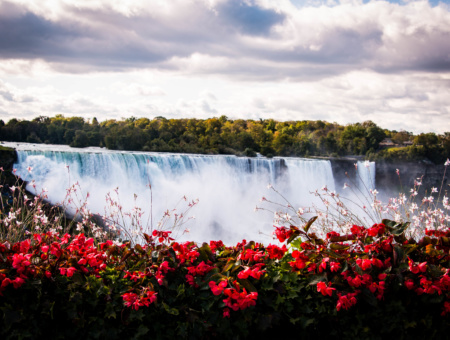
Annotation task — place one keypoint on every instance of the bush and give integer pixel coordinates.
(371, 283)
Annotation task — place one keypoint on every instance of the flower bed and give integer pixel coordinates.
(370, 283)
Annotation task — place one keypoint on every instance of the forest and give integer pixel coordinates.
(226, 136)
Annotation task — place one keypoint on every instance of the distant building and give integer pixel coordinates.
(386, 143)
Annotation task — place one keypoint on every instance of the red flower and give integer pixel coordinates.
(20, 262)
(376, 230)
(298, 264)
(214, 245)
(282, 233)
(276, 252)
(70, 271)
(377, 263)
(5, 282)
(17, 282)
(372, 232)
(422, 267)
(67, 271)
(354, 282)
(312, 267)
(324, 289)
(164, 267)
(346, 301)
(162, 235)
(364, 264)
(335, 266)
(419, 291)
(251, 255)
(357, 230)
(217, 289)
(191, 281)
(201, 269)
(332, 234)
(245, 273)
(239, 300)
(135, 301)
(300, 261)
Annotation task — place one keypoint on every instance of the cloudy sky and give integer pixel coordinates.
(336, 60)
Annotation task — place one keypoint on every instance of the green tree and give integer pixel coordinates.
(80, 139)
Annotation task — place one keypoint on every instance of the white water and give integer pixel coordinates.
(366, 176)
(228, 187)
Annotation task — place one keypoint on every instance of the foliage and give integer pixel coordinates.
(4, 148)
(370, 283)
(226, 136)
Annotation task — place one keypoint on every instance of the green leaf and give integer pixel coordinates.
(229, 265)
(52, 304)
(410, 248)
(250, 245)
(337, 246)
(306, 322)
(394, 227)
(389, 223)
(444, 241)
(399, 254)
(309, 223)
(279, 300)
(126, 254)
(293, 236)
(218, 276)
(359, 270)
(139, 248)
(247, 285)
(294, 320)
(172, 254)
(411, 324)
(171, 311)
(369, 297)
(180, 290)
(78, 278)
(205, 252)
(148, 238)
(315, 279)
(142, 330)
(225, 253)
(345, 267)
(110, 313)
(296, 244)
(236, 266)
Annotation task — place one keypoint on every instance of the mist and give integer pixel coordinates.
(228, 188)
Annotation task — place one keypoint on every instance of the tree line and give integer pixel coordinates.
(227, 136)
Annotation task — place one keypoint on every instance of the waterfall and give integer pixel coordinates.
(366, 176)
(228, 187)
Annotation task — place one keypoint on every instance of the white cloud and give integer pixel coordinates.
(341, 61)
(136, 89)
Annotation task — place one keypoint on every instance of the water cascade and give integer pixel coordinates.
(228, 187)
(366, 176)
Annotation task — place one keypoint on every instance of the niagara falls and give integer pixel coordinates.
(228, 188)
